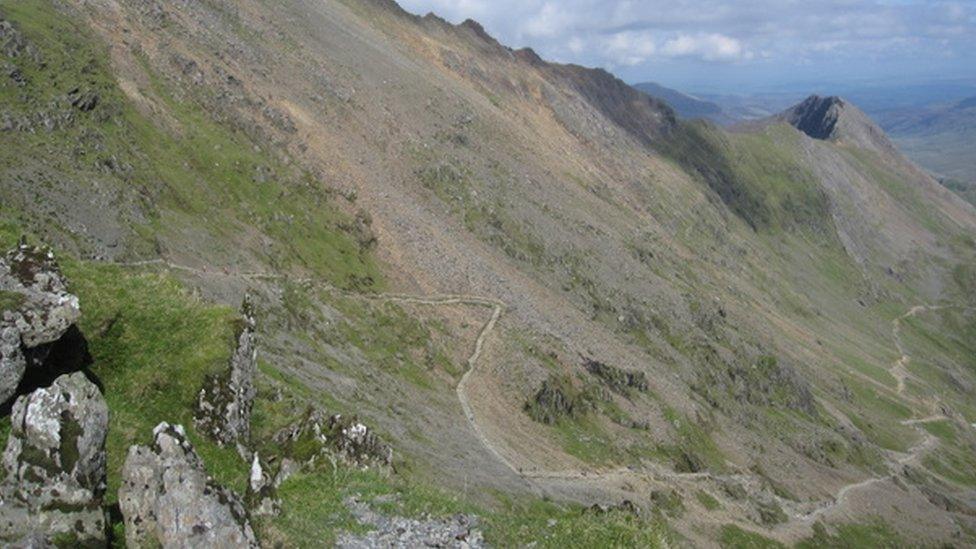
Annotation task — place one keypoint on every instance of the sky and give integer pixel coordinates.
(737, 46)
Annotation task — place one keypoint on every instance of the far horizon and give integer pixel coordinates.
(741, 47)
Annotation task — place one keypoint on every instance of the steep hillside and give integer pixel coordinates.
(541, 287)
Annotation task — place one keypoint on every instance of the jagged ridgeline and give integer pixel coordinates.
(487, 299)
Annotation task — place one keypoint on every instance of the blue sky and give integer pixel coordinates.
(740, 45)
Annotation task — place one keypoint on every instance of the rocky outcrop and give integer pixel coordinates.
(834, 119)
(625, 506)
(344, 438)
(223, 408)
(38, 336)
(357, 444)
(167, 499)
(458, 531)
(13, 44)
(54, 465)
(558, 398)
(619, 380)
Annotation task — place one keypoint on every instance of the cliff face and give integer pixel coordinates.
(434, 225)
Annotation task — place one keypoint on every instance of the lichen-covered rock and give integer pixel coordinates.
(39, 323)
(356, 443)
(344, 438)
(167, 499)
(54, 464)
(223, 408)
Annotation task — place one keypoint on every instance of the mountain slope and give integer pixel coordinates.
(447, 231)
(940, 138)
(685, 105)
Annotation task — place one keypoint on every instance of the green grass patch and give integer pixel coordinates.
(313, 514)
(10, 301)
(853, 536)
(707, 501)
(756, 175)
(152, 344)
(693, 449)
(585, 439)
(733, 537)
(944, 429)
(551, 525)
(878, 415)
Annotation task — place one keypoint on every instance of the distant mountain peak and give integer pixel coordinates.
(817, 116)
(832, 118)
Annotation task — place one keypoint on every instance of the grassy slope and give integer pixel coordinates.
(199, 182)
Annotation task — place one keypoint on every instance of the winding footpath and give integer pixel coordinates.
(657, 472)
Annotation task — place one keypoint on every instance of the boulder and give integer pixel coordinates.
(38, 336)
(54, 464)
(223, 408)
(167, 499)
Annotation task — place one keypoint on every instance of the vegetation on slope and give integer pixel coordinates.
(756, 175)
(178, 180)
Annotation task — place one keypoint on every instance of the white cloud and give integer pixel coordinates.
(550, 21)
(709, 47)
(637, 35)
(629, 48)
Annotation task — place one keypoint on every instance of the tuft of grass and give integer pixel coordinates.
(551, 525)
(944, 430)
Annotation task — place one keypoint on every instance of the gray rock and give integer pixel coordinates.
(458, 531)
(167, 499)
(261, 496)
(223, 408)
(42, 321)
(55, 464)
(341, 437)
(12, 360)
(357, 444)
